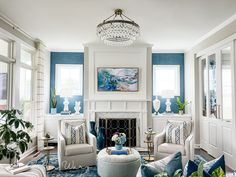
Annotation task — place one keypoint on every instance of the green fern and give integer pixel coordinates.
(180, 104)
(53, 98)
(218, 173)
(163, 174)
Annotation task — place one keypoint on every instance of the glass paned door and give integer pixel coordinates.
(212, 86)
(4, 75)
(204, 87)
(226, 83)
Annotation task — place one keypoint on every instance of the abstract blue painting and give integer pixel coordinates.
(118, 79)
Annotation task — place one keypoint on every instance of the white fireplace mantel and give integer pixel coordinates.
(121, 109)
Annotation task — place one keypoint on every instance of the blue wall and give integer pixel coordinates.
(170, 59)
(65, 58)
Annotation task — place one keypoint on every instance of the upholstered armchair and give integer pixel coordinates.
(74, 156)
(163, 149)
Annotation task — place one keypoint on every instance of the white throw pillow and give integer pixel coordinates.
(75, 134)
(176, 132)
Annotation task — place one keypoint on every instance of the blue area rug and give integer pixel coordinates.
(83, 172)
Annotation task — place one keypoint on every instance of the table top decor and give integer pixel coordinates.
(119, 139)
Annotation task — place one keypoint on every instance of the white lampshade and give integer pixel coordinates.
(168, 94)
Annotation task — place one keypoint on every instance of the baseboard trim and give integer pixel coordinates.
(197, 146)
(28, 152)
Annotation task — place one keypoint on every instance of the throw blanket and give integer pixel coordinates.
(35, 171)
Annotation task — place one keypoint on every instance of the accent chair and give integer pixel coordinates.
(74, 156)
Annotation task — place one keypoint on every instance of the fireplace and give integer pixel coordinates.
(121, 125)
(124, 122)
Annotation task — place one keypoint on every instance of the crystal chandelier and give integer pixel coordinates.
(118, 30)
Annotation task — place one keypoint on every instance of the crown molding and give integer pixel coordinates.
(167, 51)
(65, 50)
(213, 31)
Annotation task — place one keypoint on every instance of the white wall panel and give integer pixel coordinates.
(227, 139)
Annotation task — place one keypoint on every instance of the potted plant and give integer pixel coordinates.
(53, 102)
(181, 105)
(14, 137)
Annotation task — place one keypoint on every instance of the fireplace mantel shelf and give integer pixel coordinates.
(121, 108)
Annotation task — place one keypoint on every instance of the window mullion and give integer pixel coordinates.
(22, 65)
(6, 59)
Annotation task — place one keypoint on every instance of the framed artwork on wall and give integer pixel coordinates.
(117, 79)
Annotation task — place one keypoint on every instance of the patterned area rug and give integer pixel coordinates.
(83, 172)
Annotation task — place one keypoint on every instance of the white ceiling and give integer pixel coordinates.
(167, 24)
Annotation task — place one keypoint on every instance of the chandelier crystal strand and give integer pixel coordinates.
(118, 32)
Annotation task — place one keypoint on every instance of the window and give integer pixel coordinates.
(4, 75)
(26, 84)
(226, 83)
(166, 77)
(26, 57)
(69, 79)
(4, 48)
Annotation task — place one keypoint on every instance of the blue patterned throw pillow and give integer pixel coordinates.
(191, 167)
(75, 134)
(209, 167)
(176, 132)
(169, 165)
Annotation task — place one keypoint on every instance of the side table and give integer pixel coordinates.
(48, 166)
(149, 141)
(46, 140)
(47, 150)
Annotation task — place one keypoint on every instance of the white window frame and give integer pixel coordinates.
(57, 72)
(33, 88)
(9, 60)
(32, 68)
(176, 68)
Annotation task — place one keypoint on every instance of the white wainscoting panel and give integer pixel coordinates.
(227, 140)
(213, 134)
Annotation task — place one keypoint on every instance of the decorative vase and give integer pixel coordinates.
(53, 111)
(77, 107)
(156, 105)
(101, 138)
(118, 146)
(181, 112)
(93, 128)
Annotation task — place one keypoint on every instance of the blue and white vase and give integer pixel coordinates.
(118, 146)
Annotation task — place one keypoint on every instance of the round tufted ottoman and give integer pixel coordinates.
(118, 165)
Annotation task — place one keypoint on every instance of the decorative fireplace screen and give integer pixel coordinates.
(121, 125)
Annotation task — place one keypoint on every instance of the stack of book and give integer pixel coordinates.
(20, 169)
(123, 151)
